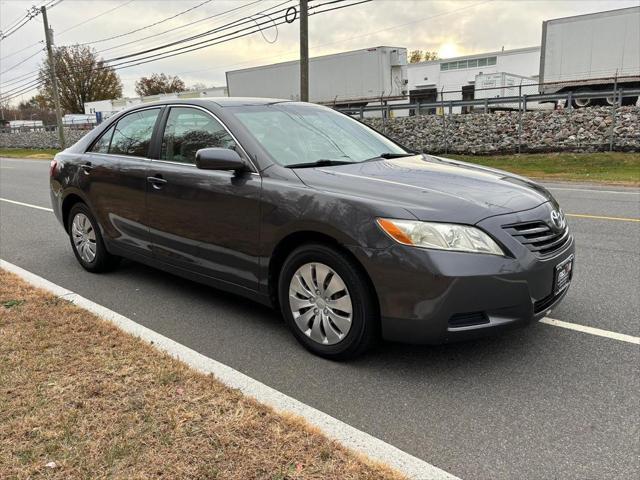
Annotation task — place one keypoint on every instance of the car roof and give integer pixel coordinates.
(239, 101)
(218, 101)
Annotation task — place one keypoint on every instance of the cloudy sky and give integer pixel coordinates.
(450, 27)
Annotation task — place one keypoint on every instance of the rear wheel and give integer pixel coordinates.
(327, 302)
(86, 240)
(582, 102)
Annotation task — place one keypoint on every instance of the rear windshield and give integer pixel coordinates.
(300, 133)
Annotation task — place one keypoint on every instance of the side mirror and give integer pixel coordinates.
(220, 159)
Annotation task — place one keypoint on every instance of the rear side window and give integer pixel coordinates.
(189, 130)
(132, 134)
(102, 145)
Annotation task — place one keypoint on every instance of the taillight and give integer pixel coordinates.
(52, 168)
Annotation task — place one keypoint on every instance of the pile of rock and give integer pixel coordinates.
(579, 130)
(39, 138)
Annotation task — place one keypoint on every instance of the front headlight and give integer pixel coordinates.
(443, 236)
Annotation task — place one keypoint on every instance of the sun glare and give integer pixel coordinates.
(448, 50)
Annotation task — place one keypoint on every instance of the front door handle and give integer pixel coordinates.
(158, 182)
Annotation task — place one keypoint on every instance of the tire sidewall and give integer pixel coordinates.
(358, 290)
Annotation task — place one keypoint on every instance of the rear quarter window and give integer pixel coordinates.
(102, 144)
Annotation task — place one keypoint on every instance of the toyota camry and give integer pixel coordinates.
(352, 236)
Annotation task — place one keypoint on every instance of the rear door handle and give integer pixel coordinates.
(157, 182)
(86, 167)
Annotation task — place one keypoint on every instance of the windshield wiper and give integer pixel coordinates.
(318, 163)
(388, 155)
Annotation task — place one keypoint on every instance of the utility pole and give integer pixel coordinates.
(304, 50)
(48, 36)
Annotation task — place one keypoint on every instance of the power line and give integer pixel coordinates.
(148, 26)
(362, 35)
(235, 23)
(20, 63)
(128, 33)
(94, 17)
(32, 13)
(21, 50)
(20, 78)
(189, 48)
(180, 27)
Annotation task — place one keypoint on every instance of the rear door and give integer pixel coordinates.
(113, 177)
(204, 221)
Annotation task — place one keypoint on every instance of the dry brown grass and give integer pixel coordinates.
(76, 391)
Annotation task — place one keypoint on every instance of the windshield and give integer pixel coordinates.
(295, 134)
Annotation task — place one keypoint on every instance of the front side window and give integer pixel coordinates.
(132, 134)
(294, 134)
(187, 131)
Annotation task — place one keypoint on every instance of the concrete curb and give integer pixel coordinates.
(333, 428)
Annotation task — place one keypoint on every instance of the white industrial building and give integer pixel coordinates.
(103, 109)
(455, 77)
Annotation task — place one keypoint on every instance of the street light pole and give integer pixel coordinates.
(304, 50)
(52, 73)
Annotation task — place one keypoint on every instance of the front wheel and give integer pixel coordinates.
(327, 302)
(86, 240)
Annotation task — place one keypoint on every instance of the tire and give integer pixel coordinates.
(327, 332)
(86, 241)
(582, 102)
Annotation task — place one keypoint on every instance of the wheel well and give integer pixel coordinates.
(293, 241)
(67, 205)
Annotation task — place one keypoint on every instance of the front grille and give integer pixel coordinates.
(538, 237)
(468, 319)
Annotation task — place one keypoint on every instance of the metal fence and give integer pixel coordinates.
(38, 126)
(523, 97)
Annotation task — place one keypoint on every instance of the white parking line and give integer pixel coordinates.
(347, 435)
(26, 204)
(25, 160)
(592, 190)
(592, 330)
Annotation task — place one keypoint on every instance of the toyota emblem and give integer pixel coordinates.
(557, 219)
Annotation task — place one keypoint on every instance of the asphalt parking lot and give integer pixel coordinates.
(544, 402)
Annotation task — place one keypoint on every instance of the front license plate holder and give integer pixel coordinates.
(562, 275)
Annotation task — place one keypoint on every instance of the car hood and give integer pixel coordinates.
(431, 188)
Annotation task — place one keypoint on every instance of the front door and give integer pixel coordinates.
(204, 221)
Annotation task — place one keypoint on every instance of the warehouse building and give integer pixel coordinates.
(455, 78)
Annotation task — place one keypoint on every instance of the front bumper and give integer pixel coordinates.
(432, 296)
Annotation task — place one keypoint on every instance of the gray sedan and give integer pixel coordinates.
(352, 236)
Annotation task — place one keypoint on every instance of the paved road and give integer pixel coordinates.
(543, 402)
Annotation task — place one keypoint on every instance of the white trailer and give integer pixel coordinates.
(503, 84)
(591, 52)
(349, 78)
